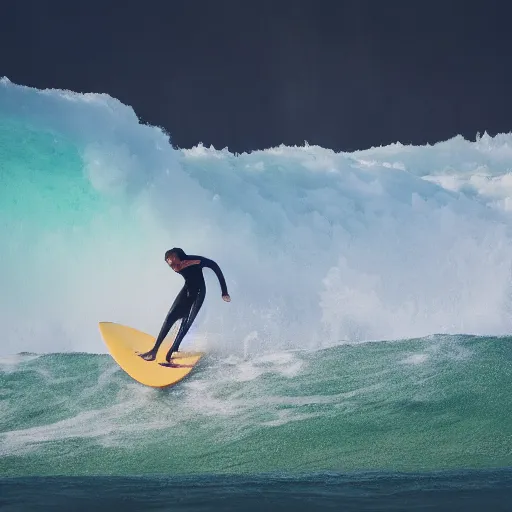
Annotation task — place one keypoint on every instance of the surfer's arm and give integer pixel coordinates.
(205, 262)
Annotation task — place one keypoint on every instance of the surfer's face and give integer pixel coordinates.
(173, 259)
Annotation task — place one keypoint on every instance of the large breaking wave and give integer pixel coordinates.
(317, 247)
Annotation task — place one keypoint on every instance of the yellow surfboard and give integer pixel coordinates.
(124, 343)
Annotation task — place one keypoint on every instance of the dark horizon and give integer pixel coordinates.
(247, 76)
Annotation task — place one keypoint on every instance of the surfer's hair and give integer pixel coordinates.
(176, 250)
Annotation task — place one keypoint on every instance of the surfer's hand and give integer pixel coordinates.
(227, 298)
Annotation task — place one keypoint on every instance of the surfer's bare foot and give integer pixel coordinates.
(169, 364)
(175, 365)
(148, 356)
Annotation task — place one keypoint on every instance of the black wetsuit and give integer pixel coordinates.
(189, 300)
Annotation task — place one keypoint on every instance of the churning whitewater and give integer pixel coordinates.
(317, 247)
(322, 251)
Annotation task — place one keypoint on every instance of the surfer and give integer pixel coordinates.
(188, 301)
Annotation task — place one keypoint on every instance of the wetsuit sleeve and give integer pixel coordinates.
(205, 262)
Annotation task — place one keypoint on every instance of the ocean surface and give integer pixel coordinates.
(364, 363)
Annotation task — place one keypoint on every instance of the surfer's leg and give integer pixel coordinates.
(176, 312)
(187, 322)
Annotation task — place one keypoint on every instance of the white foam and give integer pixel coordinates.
(415, 359)
(133, 413)
(11, 363)
(287, 416)
(316, 246)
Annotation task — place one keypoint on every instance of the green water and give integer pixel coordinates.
(416, 405)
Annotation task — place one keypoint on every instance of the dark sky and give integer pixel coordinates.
(252, 74)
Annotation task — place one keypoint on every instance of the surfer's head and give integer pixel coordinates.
(175, 255)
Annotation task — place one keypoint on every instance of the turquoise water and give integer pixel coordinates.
(37, 167)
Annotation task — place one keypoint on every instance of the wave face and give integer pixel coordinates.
(317, 247)
(419, 405)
